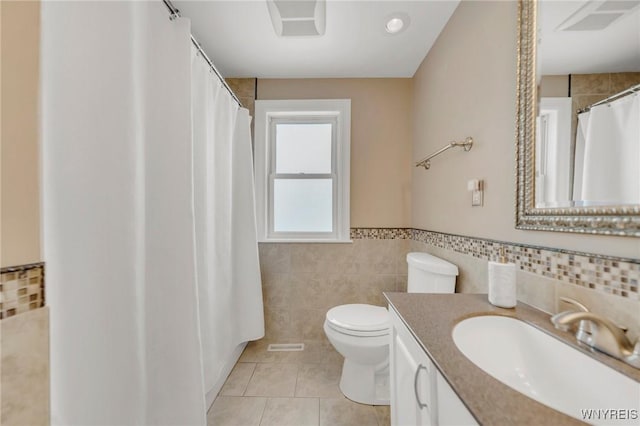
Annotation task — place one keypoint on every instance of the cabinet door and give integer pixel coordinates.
(412, 381)
(451, 410)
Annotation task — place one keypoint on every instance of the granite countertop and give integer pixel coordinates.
(431, 318)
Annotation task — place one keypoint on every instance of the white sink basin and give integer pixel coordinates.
(547, 370)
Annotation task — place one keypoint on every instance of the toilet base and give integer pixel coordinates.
(366, 384)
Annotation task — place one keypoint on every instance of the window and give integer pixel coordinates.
(302, 170)
(553, 187)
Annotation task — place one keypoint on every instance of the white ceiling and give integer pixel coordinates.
(614, 49)
(239, 38)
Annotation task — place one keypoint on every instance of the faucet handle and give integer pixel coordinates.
(575, 303)
(585, 309)
(583, 330)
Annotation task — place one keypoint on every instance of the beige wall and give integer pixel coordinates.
(466, 86)
(20, 197)
(554, 86)
(381, 117)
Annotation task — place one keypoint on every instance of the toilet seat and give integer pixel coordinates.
(359, 320)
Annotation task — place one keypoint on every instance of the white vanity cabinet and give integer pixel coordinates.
(419, 394)
(412, 379)
(451, 411)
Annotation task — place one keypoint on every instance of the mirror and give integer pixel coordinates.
(578, 117)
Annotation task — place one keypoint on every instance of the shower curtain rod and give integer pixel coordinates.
(175, 13)
(626, 92)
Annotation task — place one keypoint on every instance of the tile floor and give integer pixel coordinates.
(290, 389)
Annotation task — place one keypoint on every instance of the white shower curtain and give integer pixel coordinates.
(228, 270)
(118, 216)
(246, 300)
(578, 162)
(148, 218)
(610, 172)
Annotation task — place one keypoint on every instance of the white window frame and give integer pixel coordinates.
(271, 112)
(554, 186)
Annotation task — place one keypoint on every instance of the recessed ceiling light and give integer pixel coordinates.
(397, 23)
(394, 25)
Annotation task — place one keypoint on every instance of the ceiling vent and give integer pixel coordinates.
(597, 15)
(295, 18)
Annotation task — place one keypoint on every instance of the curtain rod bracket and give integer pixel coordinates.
(175, 13)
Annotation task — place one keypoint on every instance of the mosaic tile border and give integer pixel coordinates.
(21, 289)
(606, 274)
(381, 233)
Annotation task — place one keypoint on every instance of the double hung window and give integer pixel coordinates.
(302, 170)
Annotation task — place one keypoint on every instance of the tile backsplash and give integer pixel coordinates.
(604, 274)
(21, 289)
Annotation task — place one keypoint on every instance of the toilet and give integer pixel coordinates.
(361, 332)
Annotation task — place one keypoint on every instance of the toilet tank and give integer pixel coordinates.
(430, 274)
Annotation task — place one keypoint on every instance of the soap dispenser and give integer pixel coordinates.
(502, 282)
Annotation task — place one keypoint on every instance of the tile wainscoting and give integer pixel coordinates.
(302, 281)
(21, 289)
(24, 366)
(24, 346)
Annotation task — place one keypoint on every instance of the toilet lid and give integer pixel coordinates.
(359, 318)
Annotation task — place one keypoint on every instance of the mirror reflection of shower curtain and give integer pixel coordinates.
(610, 150)
(578, 171)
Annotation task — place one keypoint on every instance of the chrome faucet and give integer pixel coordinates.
(598, 332)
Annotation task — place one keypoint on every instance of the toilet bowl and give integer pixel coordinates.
(361, 333)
